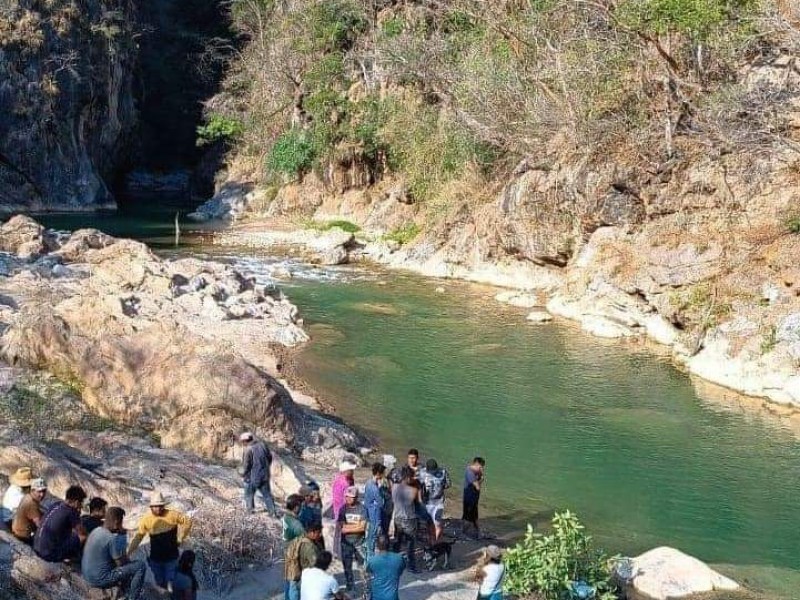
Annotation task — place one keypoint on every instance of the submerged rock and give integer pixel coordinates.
(539, 316)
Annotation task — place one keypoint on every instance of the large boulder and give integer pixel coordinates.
(666, 573)
(24, 237)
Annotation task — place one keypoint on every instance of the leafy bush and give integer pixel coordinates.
(292, 154)
(219, 128)
(547, 564)
(793, 224)
(335, 24)
(403, 234)
(693, 17)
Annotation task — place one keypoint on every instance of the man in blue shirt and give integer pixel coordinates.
(374, 503)
(61, 534)
(385, 568)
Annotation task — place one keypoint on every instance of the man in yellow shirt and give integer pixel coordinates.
(167, 530)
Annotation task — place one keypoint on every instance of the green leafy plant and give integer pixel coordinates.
(697, 18)
(347, 226)
(219, 128)
(403, 234)
(292, 154)
(548, 564)
(793, 224)
(769, 340)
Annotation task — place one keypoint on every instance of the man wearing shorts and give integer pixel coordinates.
(434, 482)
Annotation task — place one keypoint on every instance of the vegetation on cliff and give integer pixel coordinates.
(438, 91)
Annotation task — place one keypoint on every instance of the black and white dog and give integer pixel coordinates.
(440, 552)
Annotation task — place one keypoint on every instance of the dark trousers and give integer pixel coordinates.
(351, 551)
(129, 577)
(405, 534)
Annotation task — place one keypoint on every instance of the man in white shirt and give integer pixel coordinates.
(19, 486)
(316, 584)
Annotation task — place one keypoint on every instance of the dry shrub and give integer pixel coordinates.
(228, 540)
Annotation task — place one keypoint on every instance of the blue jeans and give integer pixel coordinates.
(291, 590)
(163, 572)
(129, 578)
(373, 531)
(250, 490)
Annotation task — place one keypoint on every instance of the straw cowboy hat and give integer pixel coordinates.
(157, 499)
(23, 477)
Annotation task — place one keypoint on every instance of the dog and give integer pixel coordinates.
(438, 553)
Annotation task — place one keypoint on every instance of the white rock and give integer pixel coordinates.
(439, 290)
(540, 316)
(660, 330)
(518, 299)
(605, 328)
(665, 573)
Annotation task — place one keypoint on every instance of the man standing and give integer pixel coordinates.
(301, 554)
(167, 530)
(473, 481)
(353, 521)
(373, 502)
(386, 568)
(434, 482)
(292, 527)
(61, 534)
(28, 517)
(256, 464)
(404, 496)
(412, 462)
(104, 563)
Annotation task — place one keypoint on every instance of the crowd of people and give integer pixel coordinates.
(378, 529)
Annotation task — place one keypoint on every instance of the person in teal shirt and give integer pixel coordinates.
(385, 567)
(292, 527)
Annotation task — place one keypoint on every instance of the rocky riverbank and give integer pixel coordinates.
(749, 340)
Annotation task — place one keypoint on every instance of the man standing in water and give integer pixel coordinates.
(256, 464)
(473, 481)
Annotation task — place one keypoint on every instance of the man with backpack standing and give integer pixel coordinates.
(256, 464)
(434, 482)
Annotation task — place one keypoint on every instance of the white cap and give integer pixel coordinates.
(347, 466)
(38, 484)
(246, 437)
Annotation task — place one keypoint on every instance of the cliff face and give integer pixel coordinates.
(66, 108)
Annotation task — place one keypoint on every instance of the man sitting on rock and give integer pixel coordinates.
(61, 533)
(105, 564)
(256, 464)
(167, 530)
(28, 517)
(97, 512)
(19, 485)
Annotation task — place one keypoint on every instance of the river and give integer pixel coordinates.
(612, 431)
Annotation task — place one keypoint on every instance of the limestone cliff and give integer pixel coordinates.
(66, 107)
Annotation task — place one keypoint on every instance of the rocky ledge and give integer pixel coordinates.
(180, 348)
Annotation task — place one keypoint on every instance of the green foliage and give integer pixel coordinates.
(793, 224)
(403, 234)
(292, 154)
(347, 226)
(547, 564)
(697, 18)
(335, 24)
(430, 149)
(769, 340)
(393, 27)
(219, 128)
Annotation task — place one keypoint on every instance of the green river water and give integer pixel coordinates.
(564, 420)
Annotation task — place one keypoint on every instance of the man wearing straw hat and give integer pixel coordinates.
(167, 530)
(19, 485)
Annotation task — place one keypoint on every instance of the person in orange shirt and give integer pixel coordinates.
(167, 530)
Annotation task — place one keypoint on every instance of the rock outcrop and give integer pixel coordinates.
(179, 347)
(666, 573)
(66, 107)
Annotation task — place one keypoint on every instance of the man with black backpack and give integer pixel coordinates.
(434, 482)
